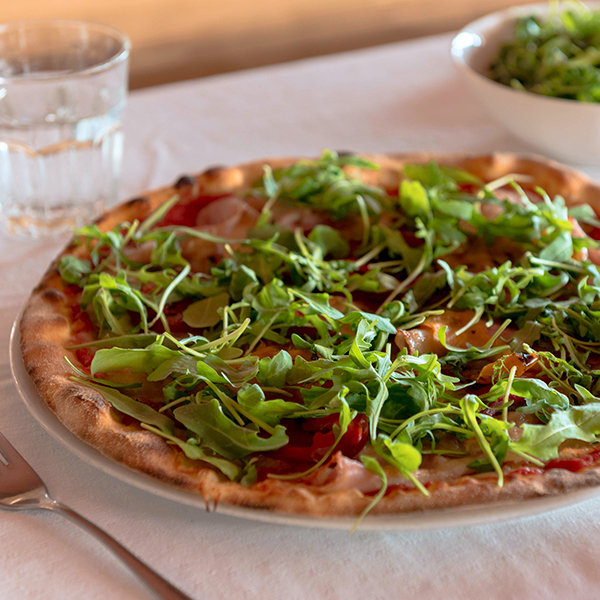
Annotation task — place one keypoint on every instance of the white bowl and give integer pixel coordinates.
(564, 129)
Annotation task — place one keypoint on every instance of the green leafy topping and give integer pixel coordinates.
(138, 410)
(325, 185)
(578, 423)
(273, 371)
(556, 55)
(431, 312)
(252, 398)
(232, 441)
(73, 269)
(373, 467)
(205, 313)
(195, 452)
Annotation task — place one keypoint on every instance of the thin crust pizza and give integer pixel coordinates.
(335, 336)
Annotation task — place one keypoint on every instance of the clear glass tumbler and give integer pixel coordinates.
(63, 86)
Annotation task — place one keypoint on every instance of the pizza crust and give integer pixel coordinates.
(46, 331)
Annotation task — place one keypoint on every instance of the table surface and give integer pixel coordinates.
(401, 97)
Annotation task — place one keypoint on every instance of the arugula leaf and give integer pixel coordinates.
(106, 382)
(138, 360)
(578, 423)
(252, 398)
(374, 407)
(540, 396)
(319, 304)
(222, 435)
(559, 249)
(414, 200)
(206, 312)
(405, 401)
(273, 371)
(432, 175)
(74, 270)
(195, 452)
(379, 322)
(138, 410)
(330, 241)
(470, 406)
(374, 467)
(403, 456)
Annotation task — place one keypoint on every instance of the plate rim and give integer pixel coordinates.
(470, 515)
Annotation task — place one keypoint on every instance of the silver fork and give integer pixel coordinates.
(22, 489)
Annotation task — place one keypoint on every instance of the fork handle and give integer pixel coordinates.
(161, 588)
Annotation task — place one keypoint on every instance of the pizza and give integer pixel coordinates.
(336, 336)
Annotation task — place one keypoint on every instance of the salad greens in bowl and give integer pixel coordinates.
(556, 55)
(536, 68)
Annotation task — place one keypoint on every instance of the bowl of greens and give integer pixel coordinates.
(537, 70)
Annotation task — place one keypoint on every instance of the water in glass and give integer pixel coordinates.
(60, 139)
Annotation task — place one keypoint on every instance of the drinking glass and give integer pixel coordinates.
(63, 86)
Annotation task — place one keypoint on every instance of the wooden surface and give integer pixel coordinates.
(182, 39)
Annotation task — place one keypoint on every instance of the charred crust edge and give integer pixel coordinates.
(214, 170)
(137, 200)
(53, 296)
(185, 181)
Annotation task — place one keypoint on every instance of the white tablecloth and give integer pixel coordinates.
(394, 98)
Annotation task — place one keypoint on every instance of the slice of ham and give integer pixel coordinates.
(293, 216)
(298, 217)
(510, 194)
(140, 253)
(342, 473)
(233, 216)
(302, 216)
(229, 218)
(424, 339)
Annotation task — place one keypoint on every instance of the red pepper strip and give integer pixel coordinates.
(174, 315)
(468, 188)
(85, 356)
(148, 287)
(70, 289)
(525, 471)
(595, 233)
(80, 320)
(570, 464)
(306, 446)
(494, 407)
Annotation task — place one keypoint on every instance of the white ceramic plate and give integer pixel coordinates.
(455, 517)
